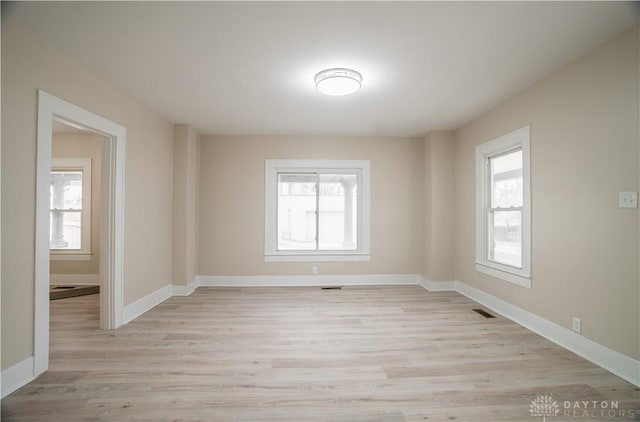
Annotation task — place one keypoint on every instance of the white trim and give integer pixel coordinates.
(363, 169)
(17, 376)
(112, 238)
(320, 257)
(437, 286)
(75, 279)
(179, 290)
(307, 280)
(623, 366)
(516, 139)
(112, 231)
(59, 255)
(142, 305)
(46, 105)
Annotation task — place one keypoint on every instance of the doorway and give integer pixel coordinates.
(52, 109)
(74, 222)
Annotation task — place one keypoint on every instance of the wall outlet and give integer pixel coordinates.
(576, 324)
(314, 269)
(628, 200)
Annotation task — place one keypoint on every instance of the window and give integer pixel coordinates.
(503, 209)
(317, 210)
(70, 209)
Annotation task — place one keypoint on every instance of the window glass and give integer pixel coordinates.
(338, 222)
(505, 212)
(65, 228)
(505, 241)
(506, 180)
(70, 237)
(297, 211)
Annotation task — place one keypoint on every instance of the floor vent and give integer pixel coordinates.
(483, 313)
(332, 288)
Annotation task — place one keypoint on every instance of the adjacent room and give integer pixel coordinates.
(323, 211)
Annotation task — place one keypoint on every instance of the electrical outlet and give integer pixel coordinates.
(576, 324)
(314, 269)
(628, 200)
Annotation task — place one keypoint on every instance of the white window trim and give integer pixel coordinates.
(272, 167)
(508, 142)
(84, 253)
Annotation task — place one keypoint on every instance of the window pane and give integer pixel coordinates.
(505, 238)
(66, 190)
(338, 211)
(506, 180)
(297, 211)
(65, 230)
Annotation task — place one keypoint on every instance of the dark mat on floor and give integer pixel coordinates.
(62, 292)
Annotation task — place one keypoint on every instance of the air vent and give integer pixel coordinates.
(483, 313)
(332, 288)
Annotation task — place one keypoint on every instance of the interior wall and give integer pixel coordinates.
(30, 63)
(186, 147)
(426, 208)
(83, 146)
(584, 122)
(438, 157)
(232, 202)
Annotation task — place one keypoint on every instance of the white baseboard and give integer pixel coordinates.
(623, 366)
(16, 376)
(186, 290)
(437, 286)
(74, 279)
(142, 305)
(307, 280)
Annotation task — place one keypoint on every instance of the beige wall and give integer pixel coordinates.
(83, 146)
(438, 155)
(30, 63)
(232, 202)
(584, 150)
(186, 162)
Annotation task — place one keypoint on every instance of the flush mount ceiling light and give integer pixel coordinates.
(338, 81)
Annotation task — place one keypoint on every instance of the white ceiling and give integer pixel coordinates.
(248, 67)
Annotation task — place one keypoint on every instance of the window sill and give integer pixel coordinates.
(317, 258)
(70, 256)
(517, 279)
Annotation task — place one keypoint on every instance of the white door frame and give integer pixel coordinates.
(112, 226)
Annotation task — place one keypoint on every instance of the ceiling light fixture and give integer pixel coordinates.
(338, 81)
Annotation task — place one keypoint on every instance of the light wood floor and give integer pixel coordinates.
(306, 354)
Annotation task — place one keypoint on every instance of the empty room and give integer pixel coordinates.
(320, 211)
